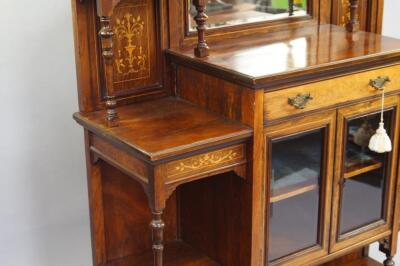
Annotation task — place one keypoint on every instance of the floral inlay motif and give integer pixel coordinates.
(206, 160)
(132, 58)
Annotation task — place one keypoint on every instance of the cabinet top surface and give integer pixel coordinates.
(164, 128)
(294, 54)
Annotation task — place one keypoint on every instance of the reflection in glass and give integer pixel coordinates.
(295, 193)
(234, 12)
(364, 179)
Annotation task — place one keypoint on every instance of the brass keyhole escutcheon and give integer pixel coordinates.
(379, 82)
(300, 100)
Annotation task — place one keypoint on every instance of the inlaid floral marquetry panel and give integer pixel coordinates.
(203, 162)
(131, 43)
(135, 42)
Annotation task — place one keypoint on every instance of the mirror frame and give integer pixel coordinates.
(329, 12)
(319, 10)
(310, 14)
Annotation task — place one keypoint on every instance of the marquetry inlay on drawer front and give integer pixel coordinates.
(331, 92)
(211, 161)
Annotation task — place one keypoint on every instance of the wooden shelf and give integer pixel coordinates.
(293, 190)
(362, 168)
(145, 128)
(176, 253)
(359, 262)
(359, 162)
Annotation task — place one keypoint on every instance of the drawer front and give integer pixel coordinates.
(202, 164)
(336, 91)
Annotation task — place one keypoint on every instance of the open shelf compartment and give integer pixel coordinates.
(203, 227)
(176, 253)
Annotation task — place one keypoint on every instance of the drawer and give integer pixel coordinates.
(331, 92)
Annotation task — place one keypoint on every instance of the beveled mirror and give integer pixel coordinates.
(224, 13)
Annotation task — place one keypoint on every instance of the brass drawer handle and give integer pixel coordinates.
(301, 100)
(379, 82)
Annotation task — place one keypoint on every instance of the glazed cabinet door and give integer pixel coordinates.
(299, 177)
(364, 180)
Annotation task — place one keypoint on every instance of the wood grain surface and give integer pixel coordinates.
(158, 129)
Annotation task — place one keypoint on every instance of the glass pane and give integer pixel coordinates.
(223, 13)
(295, 193)
(364, 175)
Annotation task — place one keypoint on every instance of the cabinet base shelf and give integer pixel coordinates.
(357, 262)
(176, 253)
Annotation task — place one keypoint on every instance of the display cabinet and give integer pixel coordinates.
(238, 132)
(300, 172)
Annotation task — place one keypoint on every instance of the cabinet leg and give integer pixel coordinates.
(386, 246)
(157, 226)
(389, 261)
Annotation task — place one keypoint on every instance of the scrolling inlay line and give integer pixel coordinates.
(202, 161)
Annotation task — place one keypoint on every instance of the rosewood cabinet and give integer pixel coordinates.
(235, 133)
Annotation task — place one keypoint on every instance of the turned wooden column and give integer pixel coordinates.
(354, 24)
(106, 33)
(201, 49)
(291, 7)
(157, 196)
(157, 226)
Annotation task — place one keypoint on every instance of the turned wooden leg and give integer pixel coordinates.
(389, 261)
(386, 246)
(157, 226)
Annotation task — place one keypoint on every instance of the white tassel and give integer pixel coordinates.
(380, 141)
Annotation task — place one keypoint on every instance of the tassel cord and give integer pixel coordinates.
(380, 142)
(382, 104)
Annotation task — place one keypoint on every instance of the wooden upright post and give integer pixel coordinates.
(104, 10)
(354, 24)
(157, 226)
(202, 49)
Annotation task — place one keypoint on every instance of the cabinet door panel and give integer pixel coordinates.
(362, 201)
(365, 174)
(299, 173)
(295, 193)
(363, 179)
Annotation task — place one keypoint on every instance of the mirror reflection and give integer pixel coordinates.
(222, 13)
